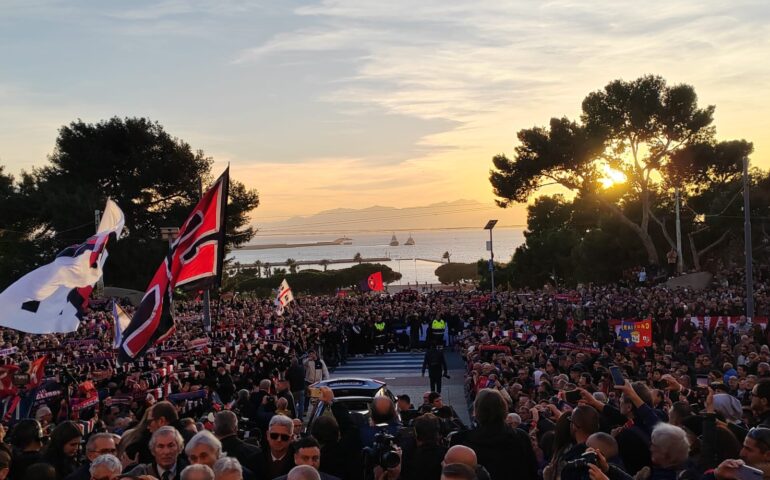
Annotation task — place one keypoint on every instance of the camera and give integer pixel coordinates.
(588, 458)
(383, 452)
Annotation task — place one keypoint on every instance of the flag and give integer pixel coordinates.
(637, 334)
(193, 261)
(283, 298)
(120, 321)
(374, 282)
(37, 372)
(52, 298)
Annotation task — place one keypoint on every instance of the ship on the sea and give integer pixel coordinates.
(393, 241)
(409, 241)
(344, 241)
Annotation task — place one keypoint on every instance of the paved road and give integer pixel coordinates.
(402, 373)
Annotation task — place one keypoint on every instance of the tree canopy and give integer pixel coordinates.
(653, 133)
(154, 178)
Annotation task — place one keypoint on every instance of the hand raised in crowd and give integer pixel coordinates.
(601, 461)
(728, 469)
(671, 382)
(595, 473)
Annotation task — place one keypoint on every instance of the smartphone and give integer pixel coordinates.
(748, 473)
(617, 375)
(315, 392)
(702, 381)
(572, 396)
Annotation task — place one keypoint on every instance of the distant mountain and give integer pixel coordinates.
(456, 214)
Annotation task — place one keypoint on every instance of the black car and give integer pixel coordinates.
(356, 394)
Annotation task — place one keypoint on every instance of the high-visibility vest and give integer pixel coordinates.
(438, 325)
(380, 326)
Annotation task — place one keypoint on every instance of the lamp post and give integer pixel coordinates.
(489, 226)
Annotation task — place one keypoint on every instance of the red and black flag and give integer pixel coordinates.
(193, 261)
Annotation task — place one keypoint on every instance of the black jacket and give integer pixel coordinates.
(434, 362)
(245, 453)
(296, 377)
(423, 463)
(505, 452)
(82, 473)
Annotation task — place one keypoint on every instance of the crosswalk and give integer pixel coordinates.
(401, 363)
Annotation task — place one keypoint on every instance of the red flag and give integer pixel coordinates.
(194, 260)
(375, 282)
(37, 371)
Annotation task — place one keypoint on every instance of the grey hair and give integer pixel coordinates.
(516, 418)
(601, 396)
(225, 423)
(303, 472)
(167, 430)
(98, 436)
(283, 421)
(110, 461)
(204, 437)
(672, 440)
(228, 464)
(208, 473)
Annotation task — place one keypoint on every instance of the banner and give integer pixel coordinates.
(8, 351)
(637, 334)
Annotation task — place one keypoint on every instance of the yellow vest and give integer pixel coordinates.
(380, 326)
(438, 325)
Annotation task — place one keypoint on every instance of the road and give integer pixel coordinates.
(401, 372)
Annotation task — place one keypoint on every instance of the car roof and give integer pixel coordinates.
(350, 382)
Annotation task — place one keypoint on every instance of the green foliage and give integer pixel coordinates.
(654, 133)
(454, 273)
(312, 281)
(153, 177)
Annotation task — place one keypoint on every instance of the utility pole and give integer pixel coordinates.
(747, 242)
(679, 260)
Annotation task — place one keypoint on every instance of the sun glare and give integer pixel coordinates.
(612, 177)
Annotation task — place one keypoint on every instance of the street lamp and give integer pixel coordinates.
(489, 226)
(169, 234)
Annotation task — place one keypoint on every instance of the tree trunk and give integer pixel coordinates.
(644, 236)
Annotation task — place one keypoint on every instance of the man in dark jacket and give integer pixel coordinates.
(27, 441)
(499, 448)
(424, 462)
(760, 402)
(435, 363)
(226, 430)
(296, 377)
(98, 444)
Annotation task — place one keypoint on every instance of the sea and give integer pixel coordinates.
(416, 263)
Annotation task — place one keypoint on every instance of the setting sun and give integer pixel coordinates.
(612, 177)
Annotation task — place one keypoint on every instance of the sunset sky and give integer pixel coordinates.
(352, 103)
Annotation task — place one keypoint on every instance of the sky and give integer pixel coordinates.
(352, 103)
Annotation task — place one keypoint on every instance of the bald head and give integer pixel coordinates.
(303, 472)
(461, 454)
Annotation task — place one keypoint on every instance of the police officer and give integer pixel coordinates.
(437, 328)
(379, 336)
(435, 363)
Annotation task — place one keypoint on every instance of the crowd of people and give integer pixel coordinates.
(552, 390)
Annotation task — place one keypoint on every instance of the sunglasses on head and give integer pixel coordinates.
(282, 436)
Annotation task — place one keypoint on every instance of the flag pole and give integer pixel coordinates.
(206, 294)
